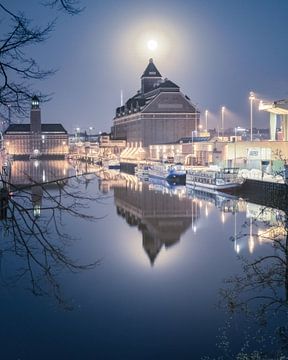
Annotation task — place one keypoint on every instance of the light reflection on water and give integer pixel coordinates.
(165, 252)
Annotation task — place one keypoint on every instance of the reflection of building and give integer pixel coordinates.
(158, 114)
(36, 176)
(161, 217)
(36, 139)
(38, 171)
(224, 202)
(36, 199)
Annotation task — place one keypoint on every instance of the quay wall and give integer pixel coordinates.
(264, 193)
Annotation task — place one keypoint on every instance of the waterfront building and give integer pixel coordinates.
(268, 156)
(36, 139)
(159, 113)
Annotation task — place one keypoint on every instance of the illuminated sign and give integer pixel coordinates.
(258, 154)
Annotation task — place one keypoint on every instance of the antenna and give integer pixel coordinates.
(121, 97)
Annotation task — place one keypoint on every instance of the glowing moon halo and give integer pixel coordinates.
(152, 45)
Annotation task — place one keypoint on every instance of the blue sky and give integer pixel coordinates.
(215, 50)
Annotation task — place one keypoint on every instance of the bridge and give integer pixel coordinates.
(280, 108)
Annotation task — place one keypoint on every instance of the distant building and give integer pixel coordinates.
(36, 139)
(159, 113)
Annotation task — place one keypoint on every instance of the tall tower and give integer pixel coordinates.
(35, 115)
(150, 77)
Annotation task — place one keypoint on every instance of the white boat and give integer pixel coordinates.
(175, 173)
(142, 171)
(213, 180)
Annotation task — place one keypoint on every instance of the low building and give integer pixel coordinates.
(267, 156)
(36, 139)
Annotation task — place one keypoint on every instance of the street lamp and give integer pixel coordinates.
(76, 134)
(206, 120)
(251, 98)
(222, 120)
(194, 133)
(192, 144)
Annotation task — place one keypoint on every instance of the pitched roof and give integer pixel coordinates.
(168, 84)
(52, 128)
(151, 70)
(44, 128)
(18, 128)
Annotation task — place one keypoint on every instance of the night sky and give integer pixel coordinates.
(217, 51)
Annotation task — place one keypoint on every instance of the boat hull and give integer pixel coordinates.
(114, 167)
(174, 174)
(211, 187)
(213, 180)
(178, 179)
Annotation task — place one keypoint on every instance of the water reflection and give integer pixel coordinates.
(261, 224)
(184, 292)
(35, 171)
(42, 195)
(163, 213)
(260, 290)
(160, 214)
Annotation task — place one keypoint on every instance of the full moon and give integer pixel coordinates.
(152, 44)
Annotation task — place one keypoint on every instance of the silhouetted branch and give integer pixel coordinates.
(17, 68)
(39, 240)
(71, 6)
(261, 291)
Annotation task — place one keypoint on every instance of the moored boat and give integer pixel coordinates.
(213, 180)
(142, 171)
(175, 173)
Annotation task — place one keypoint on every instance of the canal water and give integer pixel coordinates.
(111, 267)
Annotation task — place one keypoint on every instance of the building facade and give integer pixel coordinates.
(36, 139)
(269, 156)
(159, 113)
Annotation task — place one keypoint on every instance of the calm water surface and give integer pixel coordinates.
(164, 255)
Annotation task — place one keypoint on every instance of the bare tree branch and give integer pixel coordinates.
(40, 241)
(17, 69)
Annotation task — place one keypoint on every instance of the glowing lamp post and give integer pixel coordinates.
(222, 120)
(77, 131)
(206, 120)
(251, 98)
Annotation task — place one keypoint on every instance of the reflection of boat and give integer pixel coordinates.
(223, 201)
(165, 187)
(213, 180)
(111, 164)
(174, 173)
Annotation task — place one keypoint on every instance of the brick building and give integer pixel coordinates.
(36, 139)
(159, 113)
